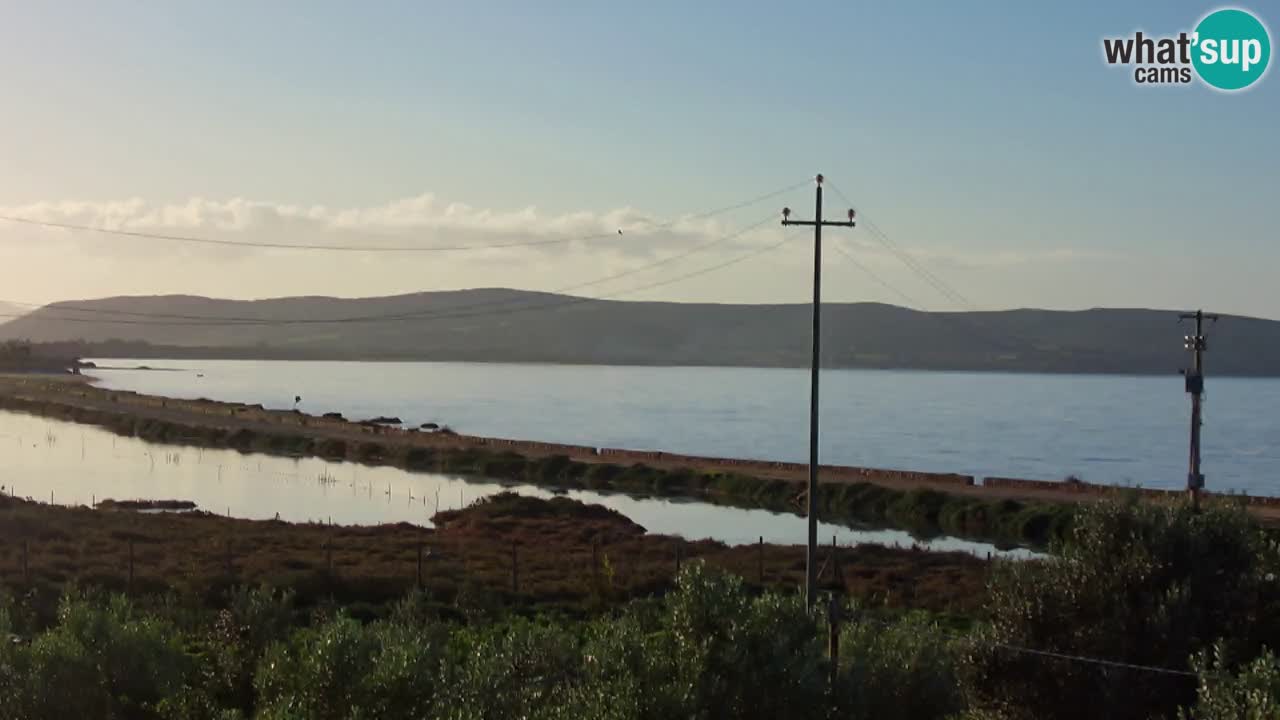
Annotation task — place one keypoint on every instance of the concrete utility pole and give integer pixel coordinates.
(1195, 386)
(811, 549)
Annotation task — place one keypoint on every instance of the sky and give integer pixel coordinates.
(988, 142)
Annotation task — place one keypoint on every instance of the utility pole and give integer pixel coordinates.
(1195, 387)
(811, 548)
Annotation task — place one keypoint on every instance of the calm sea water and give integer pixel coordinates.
(1113, 429)
(70, 464)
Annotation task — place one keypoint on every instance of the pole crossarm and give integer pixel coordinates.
(825, 223)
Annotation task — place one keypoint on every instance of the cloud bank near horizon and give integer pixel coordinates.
(71, 264)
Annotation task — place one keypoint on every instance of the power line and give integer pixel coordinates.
(973, 325)
(911, 302)
(1096, 661)
(217, 321)
(968, 325)
(1066, 657)
(916, 266)
(384, 248)
(308, 246)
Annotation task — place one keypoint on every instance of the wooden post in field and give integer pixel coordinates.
(595, 562)
(760, 559)
(419, 581)
(836, 576)
(833, 638)
(130, 586)
(515, 570)
(679, 552)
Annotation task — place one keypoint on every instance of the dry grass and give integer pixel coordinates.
(199, 556)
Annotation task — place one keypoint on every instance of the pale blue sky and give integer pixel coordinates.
(988, 138)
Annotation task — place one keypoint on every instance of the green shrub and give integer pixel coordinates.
(513, 669)
(907, 670)
(1134, 582)
(102, 660)
(1253, 693)
(342, 669)
(736, 657)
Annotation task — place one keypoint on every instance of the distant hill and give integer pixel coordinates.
(498, 325)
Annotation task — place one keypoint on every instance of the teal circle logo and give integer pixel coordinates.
(1231, 49)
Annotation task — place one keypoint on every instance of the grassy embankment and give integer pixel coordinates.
(924, 511)
(566, 555)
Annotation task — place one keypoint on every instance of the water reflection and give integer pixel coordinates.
(74, 464)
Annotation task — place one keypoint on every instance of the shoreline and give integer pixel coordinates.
(1001, 510)
(550, 363)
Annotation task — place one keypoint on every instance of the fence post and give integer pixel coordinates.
(419, 582)
(833, 638)
(515, 570)
(595, 562)
(679, 553)
(837, 578)
(760, 559)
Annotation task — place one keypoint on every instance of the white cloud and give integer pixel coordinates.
(58, 263)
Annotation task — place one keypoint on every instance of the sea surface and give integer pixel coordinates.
(70, 464)
(1121, 430)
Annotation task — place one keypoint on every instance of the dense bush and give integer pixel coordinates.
(1155, 586)
(1252, 694)
(907, 671)
(1139, 583)
(102, 660)
(709, 650)
(345, 670)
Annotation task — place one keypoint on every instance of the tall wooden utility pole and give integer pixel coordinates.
(1195, 386)
(811, 549)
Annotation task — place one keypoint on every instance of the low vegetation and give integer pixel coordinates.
(1145, 612)
(568, 558)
